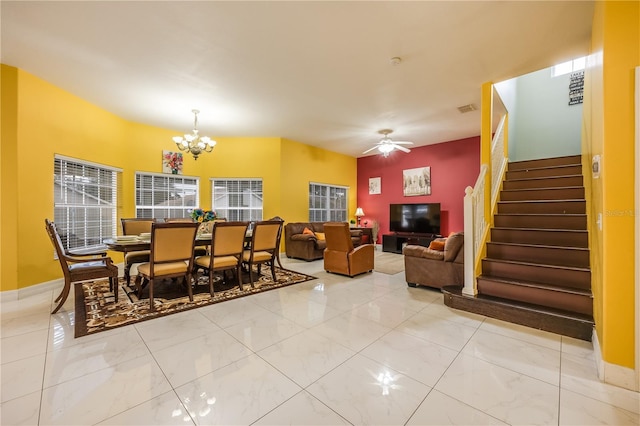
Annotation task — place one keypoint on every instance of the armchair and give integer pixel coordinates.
(340, 256)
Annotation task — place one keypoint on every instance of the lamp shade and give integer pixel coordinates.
(359, 212)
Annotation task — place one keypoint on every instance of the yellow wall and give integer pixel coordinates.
(36, 113)
(609, 132)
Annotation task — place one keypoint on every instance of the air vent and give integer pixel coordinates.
(467, 108)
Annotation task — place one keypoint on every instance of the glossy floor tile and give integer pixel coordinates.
(331, 351)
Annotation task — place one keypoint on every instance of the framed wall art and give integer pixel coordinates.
(375, 186)
(172, 162)
(416, 181)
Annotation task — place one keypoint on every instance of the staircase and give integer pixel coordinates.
(536, 271)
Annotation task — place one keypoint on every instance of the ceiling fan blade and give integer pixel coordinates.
(401, 148)
(403, 142)
(371, 149)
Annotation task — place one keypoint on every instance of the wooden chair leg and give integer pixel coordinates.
(63, 296)
(152, 307)
(189, 288)
(273, 270)
(211, 282)
(127, 273)
(239, 275)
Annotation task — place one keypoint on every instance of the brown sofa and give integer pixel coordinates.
(433, 268)
(307, 246)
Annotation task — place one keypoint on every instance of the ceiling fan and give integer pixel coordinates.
(386, 145)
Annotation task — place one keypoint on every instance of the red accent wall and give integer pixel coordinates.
(454, 166)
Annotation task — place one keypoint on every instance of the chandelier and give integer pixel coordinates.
(193, 142)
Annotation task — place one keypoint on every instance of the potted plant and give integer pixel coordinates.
(352, 223)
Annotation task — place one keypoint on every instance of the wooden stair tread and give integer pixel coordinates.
(539, 246)
(457, 291)
(515, 262)
(550, 200)
(541, 229)
(550, 188)
(542, 177)
(533, 284)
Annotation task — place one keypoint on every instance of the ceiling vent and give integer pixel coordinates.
(467, 108)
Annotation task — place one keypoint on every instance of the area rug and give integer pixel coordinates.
(95, 310)
(389, 263)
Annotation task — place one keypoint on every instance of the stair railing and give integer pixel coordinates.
(480, 201)
(498, 160)
(475, 225)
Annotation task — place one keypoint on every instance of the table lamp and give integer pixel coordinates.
(359, 214)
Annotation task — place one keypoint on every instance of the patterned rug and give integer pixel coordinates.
(95, 310)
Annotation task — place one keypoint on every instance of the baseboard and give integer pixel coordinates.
(33, 290)
(613, 374)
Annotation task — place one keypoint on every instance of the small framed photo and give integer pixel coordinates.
(416, 181)
(375, 186)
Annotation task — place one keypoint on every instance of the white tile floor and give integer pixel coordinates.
(331, 351)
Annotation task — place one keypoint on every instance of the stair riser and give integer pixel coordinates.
(543, 182)
(545, 162)
(541, 255)
(545, 275)
(546, 172)
(538, 296)
(541, 221)
(543, 194)
(541, 237)
(543, 207)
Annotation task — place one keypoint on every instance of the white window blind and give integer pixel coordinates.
(237, 199)
(85, 201)
(161, 196)
(327, 203)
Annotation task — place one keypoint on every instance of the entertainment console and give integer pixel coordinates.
(393, 243)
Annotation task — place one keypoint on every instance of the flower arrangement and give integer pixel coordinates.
(200, 215)
(172, 162)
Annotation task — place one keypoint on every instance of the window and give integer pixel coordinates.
(161, 196)
(85, 201)
(569, 66)
(327, 203)
(237, 199)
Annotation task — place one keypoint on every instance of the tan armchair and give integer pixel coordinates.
(340, 256)
(135, 226)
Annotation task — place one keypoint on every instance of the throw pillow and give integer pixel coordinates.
(307, 231)
(320, 236)
(437, 245)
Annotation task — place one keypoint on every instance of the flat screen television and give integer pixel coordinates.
(415, 218)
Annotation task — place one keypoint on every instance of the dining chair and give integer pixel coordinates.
(340, 256)
(279, 239)
(264, 247)
(227, 244)
(199, 251)
(135, 226)
(171, 255)
(81, 267)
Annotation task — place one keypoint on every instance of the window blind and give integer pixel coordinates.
(165, 196)
(327, 203)
(85, 201)
(237, 199)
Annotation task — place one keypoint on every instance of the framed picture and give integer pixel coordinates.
(375, 186)
(172, 162)
(416, 181)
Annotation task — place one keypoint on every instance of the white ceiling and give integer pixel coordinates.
(314, 72)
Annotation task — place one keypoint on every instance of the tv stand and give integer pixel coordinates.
(394, 243)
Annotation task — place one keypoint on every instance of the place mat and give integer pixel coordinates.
(96, 311)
